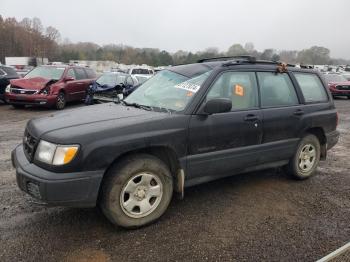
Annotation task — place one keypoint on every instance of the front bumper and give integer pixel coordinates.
(79, 189)
(337, 92)
(36, 99)
(332, 139)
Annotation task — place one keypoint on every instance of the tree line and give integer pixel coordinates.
(29, 37)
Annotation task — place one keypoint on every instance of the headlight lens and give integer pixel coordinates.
(8, 88)
(50, 153)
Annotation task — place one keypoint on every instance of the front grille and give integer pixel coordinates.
(343, 87)
(29, 145)
(22, 91)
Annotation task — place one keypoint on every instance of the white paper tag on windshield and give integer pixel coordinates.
(188, 86)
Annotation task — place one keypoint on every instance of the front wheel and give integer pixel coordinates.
(60, 101)
(136, 191)
(306, 158)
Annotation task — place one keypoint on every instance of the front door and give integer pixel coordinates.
(225, 142)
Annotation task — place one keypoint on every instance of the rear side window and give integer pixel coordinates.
(276, 90)
(311, 87)
(80, 73)
(240, 87)
(90, 73)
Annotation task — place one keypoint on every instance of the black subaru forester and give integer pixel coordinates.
(187, 125)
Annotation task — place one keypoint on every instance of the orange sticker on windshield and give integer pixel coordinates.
(189, 94)
(239, 90)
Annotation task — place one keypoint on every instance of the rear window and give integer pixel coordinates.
(80, 73)
(311, 87)
(90, 73)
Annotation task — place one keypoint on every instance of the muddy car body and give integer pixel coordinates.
(187, 125)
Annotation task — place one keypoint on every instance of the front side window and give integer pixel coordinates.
(71, 73)
(276, 90)
(240, 87)
(168, 90)
(48, 72)
(311, 87)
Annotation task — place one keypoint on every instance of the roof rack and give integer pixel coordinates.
(263, 62)
(247, 58)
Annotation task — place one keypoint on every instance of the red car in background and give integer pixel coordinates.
(338, 84)
(50, 86)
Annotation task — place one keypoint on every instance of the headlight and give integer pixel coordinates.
(8, 88)
(50, 153)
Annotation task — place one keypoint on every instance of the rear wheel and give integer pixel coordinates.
(136, 191)
(60, 101)
(305, 161)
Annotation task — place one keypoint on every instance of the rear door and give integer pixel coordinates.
(82, 83)
(71, 87)
(282, 113)
(224, 142)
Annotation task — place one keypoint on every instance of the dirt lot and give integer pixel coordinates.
(261, 216)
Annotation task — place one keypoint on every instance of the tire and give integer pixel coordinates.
(141, 175)
(60, 101)
(306, 158)
(18, 106)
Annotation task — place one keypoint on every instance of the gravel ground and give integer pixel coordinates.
(260, 216)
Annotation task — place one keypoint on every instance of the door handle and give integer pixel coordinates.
(251, 118)
(299, 112)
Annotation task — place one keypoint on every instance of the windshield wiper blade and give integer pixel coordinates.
(165, 109)
(136, 105)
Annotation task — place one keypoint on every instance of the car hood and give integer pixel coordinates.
(35, 83)
(93, 118)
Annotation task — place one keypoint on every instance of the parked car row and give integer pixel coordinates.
(55, 85)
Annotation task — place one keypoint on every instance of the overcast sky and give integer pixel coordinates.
(194, 25)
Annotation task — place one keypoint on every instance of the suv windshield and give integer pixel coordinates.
(335, 78)
(54, 73)
(167, 90)
(110, 79)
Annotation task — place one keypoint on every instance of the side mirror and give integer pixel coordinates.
(217, 105)
(68, 78)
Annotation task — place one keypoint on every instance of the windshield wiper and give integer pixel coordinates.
(136, 105)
